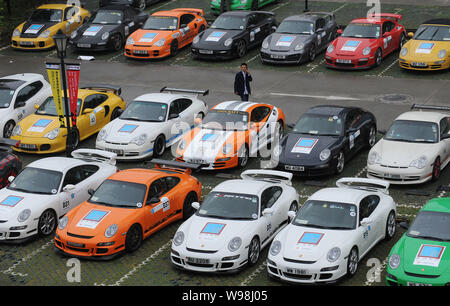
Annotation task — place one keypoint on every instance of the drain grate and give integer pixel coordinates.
(395, 99)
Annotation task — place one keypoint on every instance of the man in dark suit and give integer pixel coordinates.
(242, 83)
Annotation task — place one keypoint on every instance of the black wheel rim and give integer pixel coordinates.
(117, 43)
(340, 162)
(173, 48)
(312, 54)
(159, 146)
(378, 58)
(133, 238)
(9, 127)
(241, 48)
(391, 225)
(47, 222)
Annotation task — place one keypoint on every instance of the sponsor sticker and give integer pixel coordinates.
(310, 238)
(215, 36)
(209, 137)
(148, 37)
(351, 45)
(285, 41)
(92, 30)
(304, 145)
(425, 48)
(11, 201)
(213, 228)
(128, 128)
(429, 255)
(39, 126)
(34, 29)
(93, 218)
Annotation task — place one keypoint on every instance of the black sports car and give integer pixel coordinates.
(324, 139)
(140, 4)
(108, 28)
(10, 164)
(233, 33)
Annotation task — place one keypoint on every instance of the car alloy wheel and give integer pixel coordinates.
(436, 169)
(390, 225)
(378, 58)
(47, 222)
(117, 41)
(253, 251)
(243, 156)
(352, 263)
(174, 48)
(7, 130)
(159, 146)
(312, 53)
(241, 48)
(116, 113)
(372, 136)
(402, 41)
(340, 162)
(133, 239)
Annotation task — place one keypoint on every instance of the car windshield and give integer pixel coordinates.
(436, 33)
(48, 108)
(145, 111)
(296, 27)
(6, 95)
(46, 15)
(230, 206)
(161, 23)
(362, 30)
(226, 120)
(107, 17)
(313, 124)
(119, 194)
(413, 131)
(431, 225)
(326, 215)
(36, 180)
(229, 23)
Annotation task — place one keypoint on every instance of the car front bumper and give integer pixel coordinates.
(16, 231)
(424, 65)
(146, 52)
(273, 57)
(399, 277)
(400, 176)
(353, 64)
(40, 145)
(126, 151)
(19, 43)
(213, 54)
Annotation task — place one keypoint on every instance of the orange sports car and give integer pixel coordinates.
(165, 32)
(128, 207)
(230, 133)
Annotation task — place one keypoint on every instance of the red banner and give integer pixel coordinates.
(73, 80)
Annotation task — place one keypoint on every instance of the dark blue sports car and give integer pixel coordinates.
(10, 164)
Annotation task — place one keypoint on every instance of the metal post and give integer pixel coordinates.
(306, 6)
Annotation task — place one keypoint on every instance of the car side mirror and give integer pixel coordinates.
(195, 205)
(291, 214)
(19, 104)
(68, 187)
(365, 222)
(173, 116)
(339, 31)
(88, 111)
(153, 200)
(268, 211)
(11, 178)
(36, 106)
(410, 34)
(91, 191)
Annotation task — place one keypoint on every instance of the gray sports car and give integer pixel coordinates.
(299, 38)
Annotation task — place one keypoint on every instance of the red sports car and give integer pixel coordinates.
(366, 41)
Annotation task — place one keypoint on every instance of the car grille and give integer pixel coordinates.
(201, 251)
(295, 276)
(306, 262)
(421, 275)
(79, 236)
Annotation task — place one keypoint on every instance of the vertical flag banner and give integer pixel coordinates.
(73, 80)
(54, 77)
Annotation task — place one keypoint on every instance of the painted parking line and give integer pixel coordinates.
(163, 5)
(340, 8)
(388, 67)
(260, 268)
(280, 6)
(333, 98)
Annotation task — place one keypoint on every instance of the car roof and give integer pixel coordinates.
(438, 204)
(328, 110)
(170, 13)
(237, 105)
(56, 163)
(114, 7)
(303, 17)
(440, 21)
(370, 20)
(340, 195)
(422, 116)
(25, 77)
(55, 6)
(139, 176)
(161, 97)
(243, 186)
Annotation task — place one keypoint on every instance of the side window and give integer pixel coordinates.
(94, 100)
(353, 118)
(157, 189)
(186, 19)
(367, 206)
(73, 176)
(444, 126)
(70, 12)
(259, 113)
(252, 20)
(88, 170)
(388, 26)
(29, 91)
(320, 23)
(183, 104)
(174, 108)
(270, 196)
(171, 182)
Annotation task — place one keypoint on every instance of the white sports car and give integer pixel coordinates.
(19, 94)
(415, 149)
(236, 220)
(47, 189)
(152, 122)
(332, 231)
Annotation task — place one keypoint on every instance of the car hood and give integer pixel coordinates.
(214, 234)
(13, 202)
(286, 42)
(149, 37)
(34, 29)
(352, 45)
(426, 49)
(38, 125)
(301, 148)
(94, 32)
(123, 131)
(211, 38)
(414, 263)
(401, 154)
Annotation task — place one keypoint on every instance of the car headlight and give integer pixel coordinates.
(442, 53)
(374, 158)
(228, 42)
(333, 254)
(45, 34)
(196, 39)
(102, 135)
(325, 154)
(366, 51)
(63, 222)
(275, 248)
(160, 42)
(330, 49)
(24, 215)
(17, 131)
(419, 163)
(182, 144)
(74, 34)
(111, 230)
(227, 148)
(105, 36)
(16, 32)
(130, 41)
(140, 140)
(52, 134)
(394, 261)
(178, 238)
(265, 44)
(234, 244)
(299, 47)
(404, 51)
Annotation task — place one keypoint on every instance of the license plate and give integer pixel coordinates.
(205, 51)
(276, 56)
(197, 260)
(417, 284)
(140, 52)
(27, 43)
(415, 64)
(297, 271)
(118, 152)
(27, 146)
(343, 61)
(83, 45)
(197, 161)
(294, 168)
(393, 176)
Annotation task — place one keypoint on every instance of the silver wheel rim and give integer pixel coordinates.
(244, 156)
(402, 41)
(9, 127)
(340, 162)
(254, 251)
(142, 4)
(241, 48)
(391, 225)
(117, 43)
(353, 262)
(372, 137)
(312, 54)
(47, 223)
(378, 59)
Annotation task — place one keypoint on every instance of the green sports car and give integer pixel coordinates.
(238, 5)
(422, 255)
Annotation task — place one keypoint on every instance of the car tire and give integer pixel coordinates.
(159, 146)
(174, 48)
(378, 58)
(243, 156)
(141, 4)
(115, 114)
(352, 262)
(340, 163)
(188, 210)
(390, 226)
(133, 240)
(403, 41)
(293, 207)
(117, 42)
(241, 48)
(312, 53)
(254, 250)
(8, 128)
(436, 170)
(47, 223)
(76, 140)
(372, 137)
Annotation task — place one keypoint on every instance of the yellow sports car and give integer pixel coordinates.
(429, 48)
(36, 33)
(42, 133)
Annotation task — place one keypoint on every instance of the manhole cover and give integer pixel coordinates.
(395, 99)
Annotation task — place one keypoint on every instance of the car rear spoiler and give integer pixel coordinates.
(104, 88)
(396, 17)
(320, 13)
(6, 143)
(430, 107)
(95, 155)
(364, 184)
(172, 164)
(189, 91)
(199, 12)
(268, 176)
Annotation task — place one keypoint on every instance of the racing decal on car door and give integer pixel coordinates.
(304, 145)
(39, 126)
(148, 37)
(164, 205)
(213, 228)
(425, 48)
(92, 119)
(352, 137)
(386, 41)
(92, 30)
(215, 36)
(93, 218)
(351, 45)
(429, 255)
(285, 41)
(253, 33)
(34, 29)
